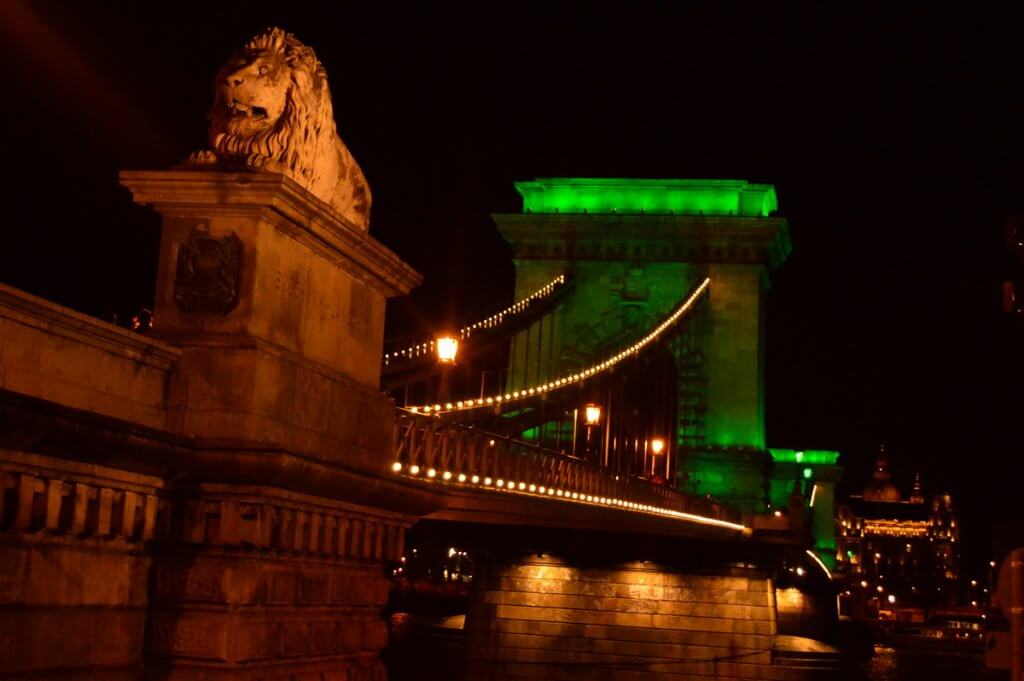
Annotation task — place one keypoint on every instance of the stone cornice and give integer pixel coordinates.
(25, 308)
(309, 220)
(646, 238)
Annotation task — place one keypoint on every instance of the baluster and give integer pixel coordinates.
(510, 461)
(472, 453)
(480, 455)
(491, 456)
(430, 446)
(500, 460)
(460, 452)
(453, 450)
(418, 433)
(440, 447)
(409, 437)
(446, 449)
(396, 437)
(517, 461)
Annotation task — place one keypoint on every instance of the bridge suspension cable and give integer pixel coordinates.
(526, 393)
(495, 320)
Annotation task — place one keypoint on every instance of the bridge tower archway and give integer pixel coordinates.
(634, 249)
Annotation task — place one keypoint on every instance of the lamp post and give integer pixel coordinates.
(657, 447)
(447, 348)
(592, 419)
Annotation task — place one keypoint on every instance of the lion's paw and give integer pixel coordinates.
(201, 158)
(264, 163)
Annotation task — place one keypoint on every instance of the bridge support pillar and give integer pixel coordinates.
(558, 616)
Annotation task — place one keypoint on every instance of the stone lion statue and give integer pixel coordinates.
(272, 112)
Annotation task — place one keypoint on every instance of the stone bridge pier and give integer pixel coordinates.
(210, 501)
(557, 616)
(551, 603)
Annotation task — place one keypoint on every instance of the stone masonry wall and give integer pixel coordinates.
(74, 567)
(107, 574)
(541, 618)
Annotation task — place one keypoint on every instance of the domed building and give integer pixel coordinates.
(895, 552)
(881, 488)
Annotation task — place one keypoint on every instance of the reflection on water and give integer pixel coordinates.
(883, 665)
(424, 648)
(890, 664)
(428, 648)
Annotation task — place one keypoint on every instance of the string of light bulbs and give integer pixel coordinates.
(554, 493)
(484, 402)
(494, 320)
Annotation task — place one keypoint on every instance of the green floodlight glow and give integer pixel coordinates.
(659, 197)
(811, 456)
(808, 472)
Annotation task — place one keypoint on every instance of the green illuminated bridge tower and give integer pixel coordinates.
(634, 249)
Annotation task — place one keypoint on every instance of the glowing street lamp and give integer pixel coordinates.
(657, 446)
(447, 348)
(591, 420)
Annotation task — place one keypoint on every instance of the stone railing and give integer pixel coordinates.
(440, 451)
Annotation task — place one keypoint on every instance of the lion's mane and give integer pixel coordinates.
(303, 143)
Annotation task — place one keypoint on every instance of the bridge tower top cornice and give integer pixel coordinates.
(646, 238)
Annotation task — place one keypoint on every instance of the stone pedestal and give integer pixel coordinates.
(272, 562)
(279, 305)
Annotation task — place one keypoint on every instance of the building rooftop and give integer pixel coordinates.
(887, 510)
(651, 196)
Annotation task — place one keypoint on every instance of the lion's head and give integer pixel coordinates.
(272, 111)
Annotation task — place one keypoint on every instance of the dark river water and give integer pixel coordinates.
(436, 653)
(889, 664)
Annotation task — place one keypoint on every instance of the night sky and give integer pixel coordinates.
(892, 134)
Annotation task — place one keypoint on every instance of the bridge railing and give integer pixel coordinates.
(435, 449)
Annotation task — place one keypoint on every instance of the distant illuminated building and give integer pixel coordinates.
(897, 552)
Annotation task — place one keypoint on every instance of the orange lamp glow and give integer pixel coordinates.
(592, 414)
(657, 445)
(447, 348)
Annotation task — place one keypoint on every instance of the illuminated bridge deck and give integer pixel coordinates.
(492, 479)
